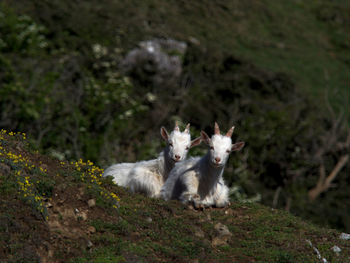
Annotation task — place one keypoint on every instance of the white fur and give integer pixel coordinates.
(199, 180)
(148, 176)
(119, 172)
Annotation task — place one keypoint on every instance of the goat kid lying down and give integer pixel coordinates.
(199, 180)
(148, 177)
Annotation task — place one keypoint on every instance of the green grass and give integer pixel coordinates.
(103, 255)
(308, 40)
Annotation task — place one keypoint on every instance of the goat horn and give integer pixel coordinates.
(187, 129)
(176, 126)
(230, 131)
(216, 128)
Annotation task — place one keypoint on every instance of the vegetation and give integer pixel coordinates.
(47, 215)
(279, 72)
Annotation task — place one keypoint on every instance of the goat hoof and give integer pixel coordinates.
(198, 206)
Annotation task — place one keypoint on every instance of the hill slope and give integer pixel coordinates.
(52, 211)
(308, 40)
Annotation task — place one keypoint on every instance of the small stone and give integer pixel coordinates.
(222, 230)
(336, 249)
(149, 220)
(91, 203)
(89, 244)
(194, 41)
(82, 216)
(344, 236)
(4, 169)
(208, 217)
(49, 205)
(199, 233)
(223, 234)
(229, 211)
(219, 241)
(135, 235)
(81, 191)
(91, 229)
(190, 207)
(281, 45)
(76, 210)
(54, 224)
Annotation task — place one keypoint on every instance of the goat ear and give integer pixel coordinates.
(164, 133)
(237, 146)
(205, 138)
(196, 142)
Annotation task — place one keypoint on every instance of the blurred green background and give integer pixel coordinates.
(80, 78)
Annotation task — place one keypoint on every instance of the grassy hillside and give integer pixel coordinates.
(268, 67)
(53, 211)
(308, 40)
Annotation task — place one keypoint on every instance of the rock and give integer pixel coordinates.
(5, 169)
(316, 251)
(190, 207)
(223, 234)
(229, 211)
(135, 235)
(149, 220)
(54, 224)
(218, 241)
(89, 244)
(82, 216)
(81, 191)
(49, 205)
(157, 61)
(344, 236)
(198, 232)
(91, 229)
(222, 230)
(194, 40)
(336, 249)
(208, 217)
(91, 203)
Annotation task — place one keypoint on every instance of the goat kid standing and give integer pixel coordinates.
(199, 180)
(148, 177)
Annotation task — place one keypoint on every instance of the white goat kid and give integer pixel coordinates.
(199, 180)
(149, 176)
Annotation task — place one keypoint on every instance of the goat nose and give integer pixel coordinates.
(217, 159)
(177, 157)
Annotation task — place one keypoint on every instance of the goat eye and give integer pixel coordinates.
(171, 144)
(211, 148)
(187, 148)
(228, 151)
